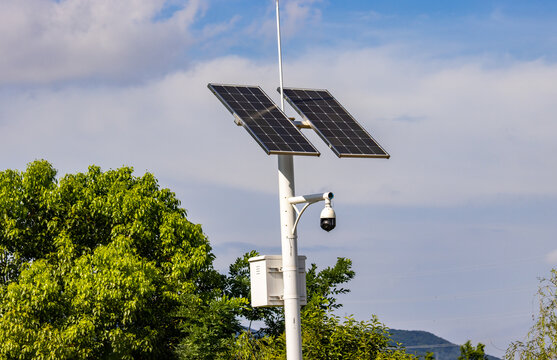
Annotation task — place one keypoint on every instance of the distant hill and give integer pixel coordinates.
(421, 342)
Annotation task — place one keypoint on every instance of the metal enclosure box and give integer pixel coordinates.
(267, 287)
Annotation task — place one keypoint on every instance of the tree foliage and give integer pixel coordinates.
(469, 352)
(541, 342)
(325, 337)
(103, 265)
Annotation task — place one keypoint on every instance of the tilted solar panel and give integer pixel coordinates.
(265, 122)
(344, 135)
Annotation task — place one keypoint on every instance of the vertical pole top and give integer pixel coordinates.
(281, 84)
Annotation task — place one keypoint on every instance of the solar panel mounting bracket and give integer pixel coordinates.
(301, 124)
(238, 121)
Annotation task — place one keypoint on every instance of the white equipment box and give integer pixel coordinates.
(267, 288)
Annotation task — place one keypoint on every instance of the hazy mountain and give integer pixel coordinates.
(421, 342)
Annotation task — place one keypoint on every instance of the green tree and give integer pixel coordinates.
(238, 286)
(325, 336)
(469, 352)
(429, 356)
(324, 286)
(541, 342)
(105, 265)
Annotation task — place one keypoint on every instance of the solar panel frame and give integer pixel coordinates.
(263, 119)
(355, 141)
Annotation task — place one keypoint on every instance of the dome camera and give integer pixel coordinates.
(328, 218)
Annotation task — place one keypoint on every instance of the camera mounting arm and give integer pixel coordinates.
(308, 200)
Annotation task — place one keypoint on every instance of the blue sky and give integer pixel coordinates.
(448, 28)
(450, 235)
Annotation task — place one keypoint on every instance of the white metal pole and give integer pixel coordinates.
(289, 241)
(280, 58)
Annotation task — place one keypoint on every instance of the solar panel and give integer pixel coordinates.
(265, 122)
(333, 123)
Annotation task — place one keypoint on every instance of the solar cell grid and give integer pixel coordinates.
(265, 122)
(333, 123)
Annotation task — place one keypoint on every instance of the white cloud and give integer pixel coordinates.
(482, 131)
(551, 258)
(298, 13)
(44, 41)
(295, 16)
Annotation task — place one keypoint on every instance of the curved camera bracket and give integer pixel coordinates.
(307, 200)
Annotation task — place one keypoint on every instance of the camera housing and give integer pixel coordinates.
(328, 218)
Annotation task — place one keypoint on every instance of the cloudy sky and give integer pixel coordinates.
(450, 235)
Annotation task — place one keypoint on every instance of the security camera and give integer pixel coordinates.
(328, 217)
